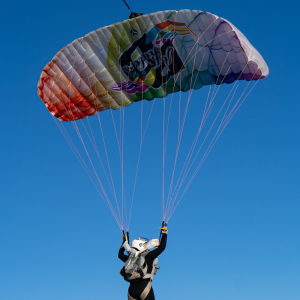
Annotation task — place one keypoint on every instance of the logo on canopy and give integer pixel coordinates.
(152, 59)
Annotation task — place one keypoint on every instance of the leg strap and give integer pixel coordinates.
(146, 290)
(129, 297)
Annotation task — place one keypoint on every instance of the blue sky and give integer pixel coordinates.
(235, 234)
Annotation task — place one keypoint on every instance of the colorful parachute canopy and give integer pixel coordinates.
(146, 57)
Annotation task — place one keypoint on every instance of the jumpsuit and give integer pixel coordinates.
(137, 286)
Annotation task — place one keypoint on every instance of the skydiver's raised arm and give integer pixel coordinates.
(162, 246)
(121, 254)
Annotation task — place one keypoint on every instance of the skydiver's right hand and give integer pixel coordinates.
(124, 238)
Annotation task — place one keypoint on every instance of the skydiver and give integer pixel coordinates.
(141, 264)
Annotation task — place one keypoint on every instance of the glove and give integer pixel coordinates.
(165, 231)
(125, 237)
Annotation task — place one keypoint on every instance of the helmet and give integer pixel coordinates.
(139, 244)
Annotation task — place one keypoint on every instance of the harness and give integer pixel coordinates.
(144, 294)
(136, 267)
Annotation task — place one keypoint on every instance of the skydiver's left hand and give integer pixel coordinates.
(164, 231)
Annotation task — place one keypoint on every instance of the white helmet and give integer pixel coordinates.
(139, 244)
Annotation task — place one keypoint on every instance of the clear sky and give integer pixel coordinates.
(234, 236)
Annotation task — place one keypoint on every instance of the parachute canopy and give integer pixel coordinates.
(146, 57)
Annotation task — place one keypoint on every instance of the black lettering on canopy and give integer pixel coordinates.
(164, 59)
